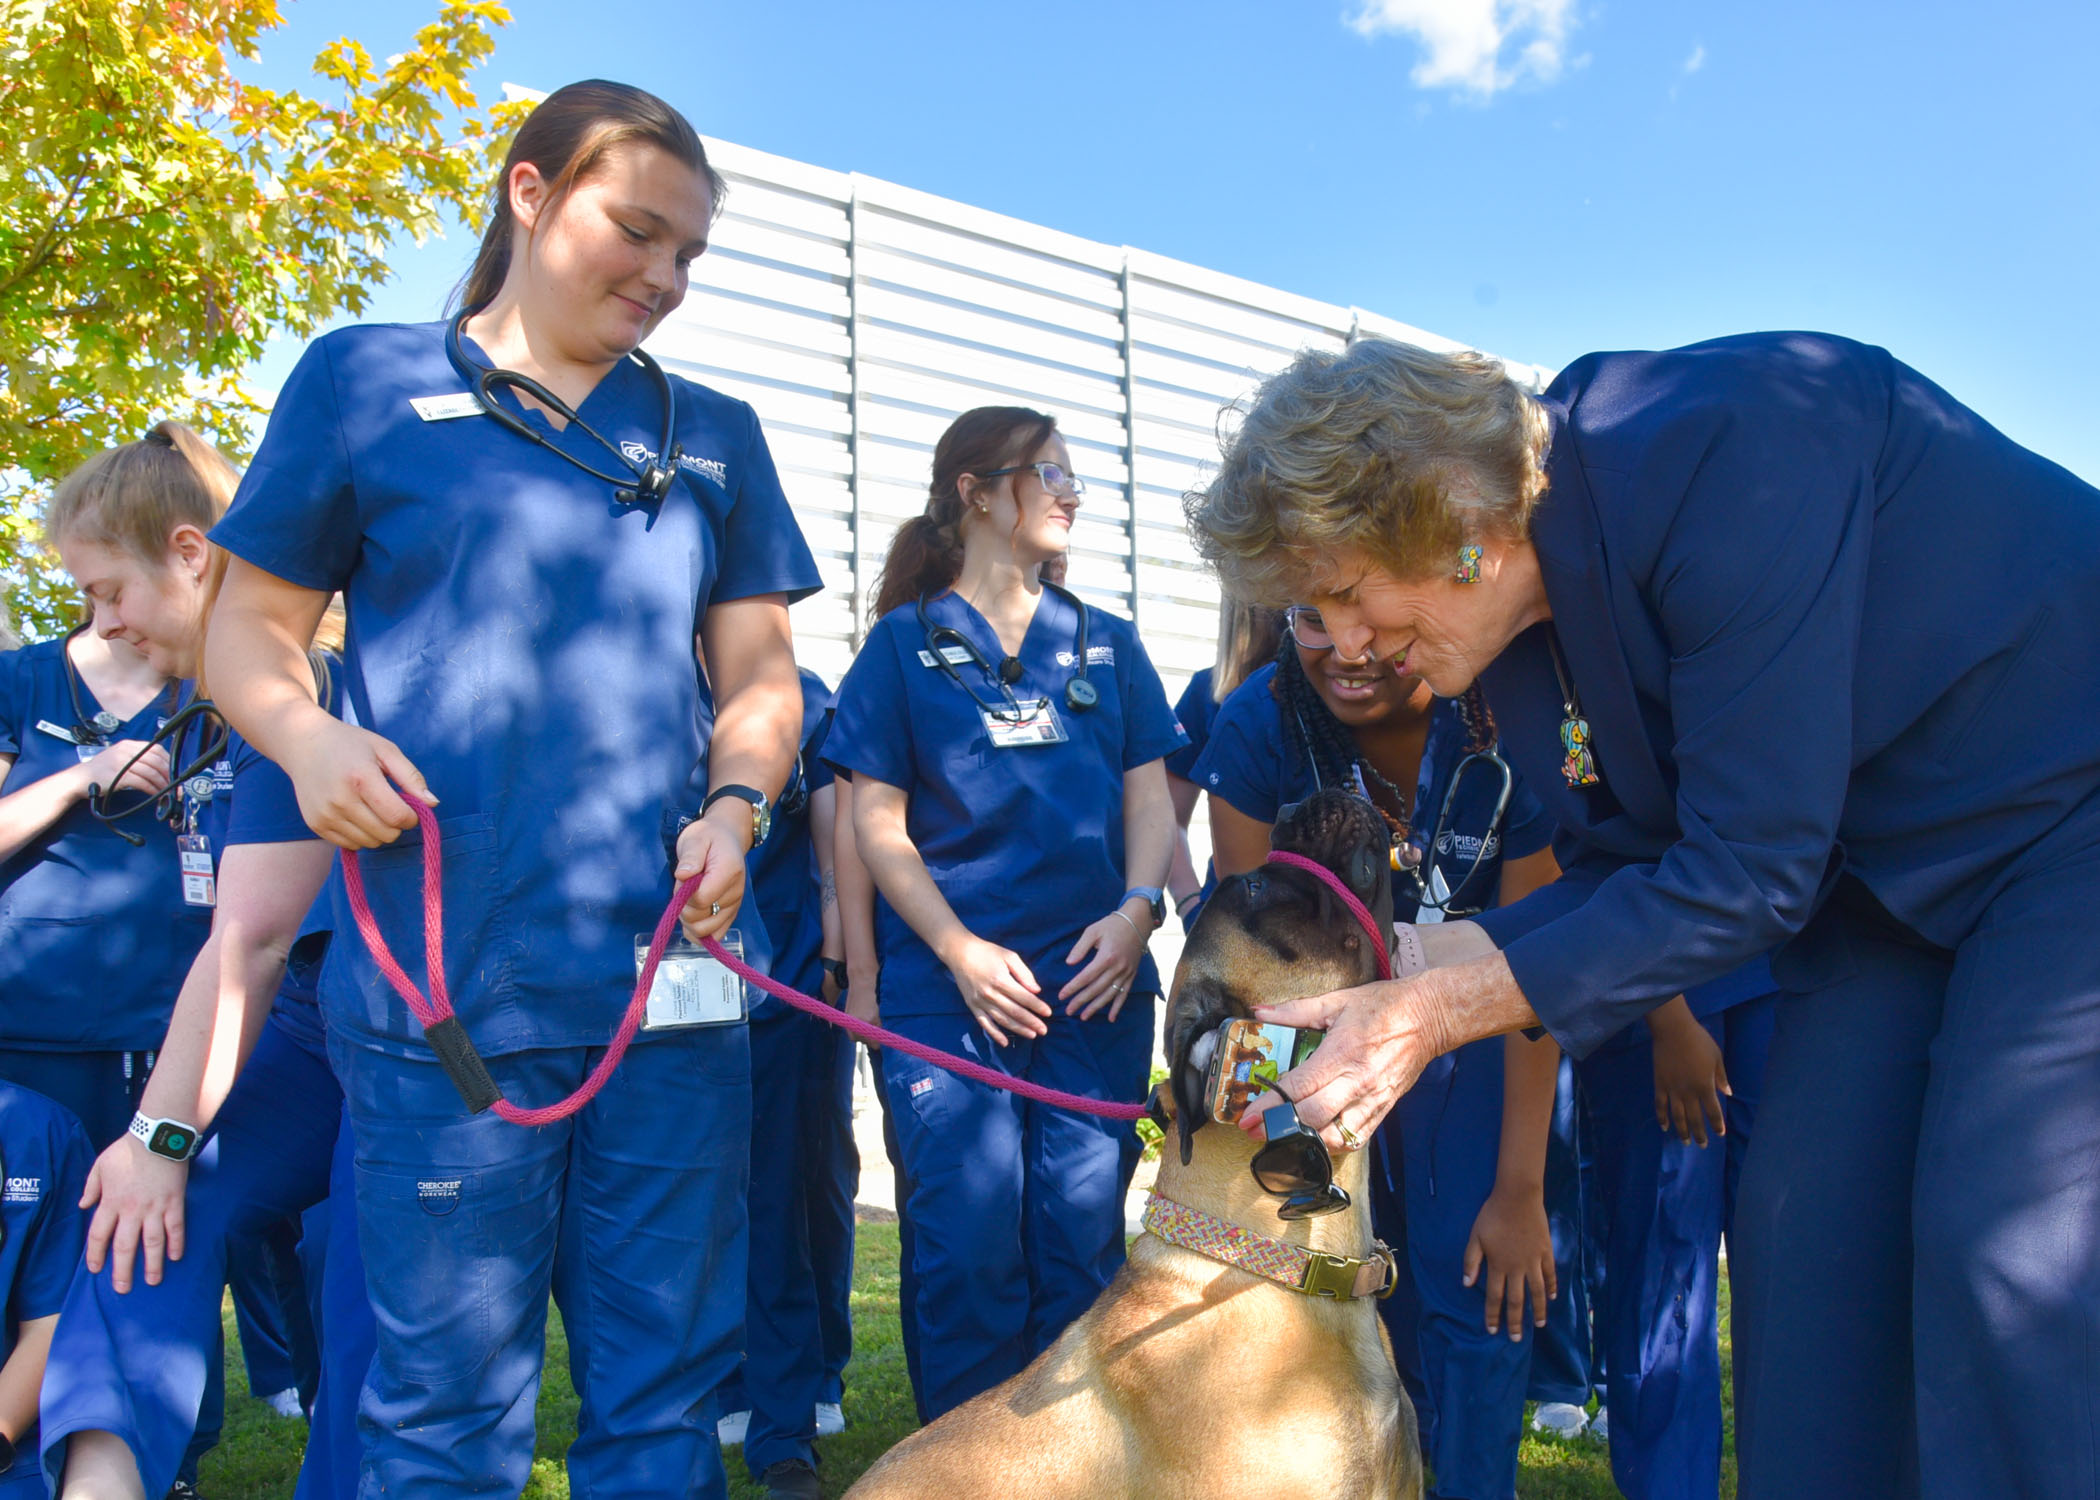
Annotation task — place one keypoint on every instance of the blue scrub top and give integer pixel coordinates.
(1260, 766)
(783, 887)
(45, 1157)
(526, 638)
(1026, 844)
(1805, 644)
(1195, 710)
(94, 938)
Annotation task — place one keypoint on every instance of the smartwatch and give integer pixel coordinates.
(761, 810)
(170, 1138)
(1155, 898)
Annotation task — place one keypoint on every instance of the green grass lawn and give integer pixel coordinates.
(259, 1457)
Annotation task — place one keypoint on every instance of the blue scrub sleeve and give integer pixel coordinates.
(816, 771)
(295, 513)
(1194, 711)
(871, 731)
(12, 699)
(1757, 579)
(59, 1229)
(1150, 730)
(1243, 763)
(763, 551)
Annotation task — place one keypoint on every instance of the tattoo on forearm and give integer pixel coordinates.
(831, 890)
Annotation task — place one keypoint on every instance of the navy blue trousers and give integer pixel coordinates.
(139, 1364)
(1916, 1262)
(631, 1212)
(1016, 1208)
(1473, 1384)
(801, 1253)
(1665, 1207)
(907, 1265)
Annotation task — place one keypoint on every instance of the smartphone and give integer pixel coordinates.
(1249, 1058)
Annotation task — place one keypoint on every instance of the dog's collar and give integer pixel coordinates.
(1312, 1272)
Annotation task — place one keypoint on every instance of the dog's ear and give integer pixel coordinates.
(1160, 1106)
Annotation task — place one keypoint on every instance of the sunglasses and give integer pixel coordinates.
(1294, 1165)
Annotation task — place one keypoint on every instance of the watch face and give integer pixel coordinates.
(171, 1140)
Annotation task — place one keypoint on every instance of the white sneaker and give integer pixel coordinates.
(1563, 1419)
(830, 1420)
(1600, 1427)
(731, 1429)
(286, 1404)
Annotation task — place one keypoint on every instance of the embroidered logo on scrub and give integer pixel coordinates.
(24, 1190)
(921, 1087)
(439, 1196)
(706, 468)
(1096, 656)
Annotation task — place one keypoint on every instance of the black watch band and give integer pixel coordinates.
(836, 969)
(761, 809)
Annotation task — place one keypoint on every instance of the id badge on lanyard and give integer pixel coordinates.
(200, 884)
(1038, 725)
(692, 987)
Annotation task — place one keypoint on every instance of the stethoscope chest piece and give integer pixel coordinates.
(1081, 695)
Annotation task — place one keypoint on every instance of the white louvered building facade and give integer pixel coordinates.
(860, 317)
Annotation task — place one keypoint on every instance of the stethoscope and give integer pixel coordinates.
(1424, 872)
(644, 483)
(191, 784)
(1080, 694)
(89, 730)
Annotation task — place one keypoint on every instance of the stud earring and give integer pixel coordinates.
(1469, 563)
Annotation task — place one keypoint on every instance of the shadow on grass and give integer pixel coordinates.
(258, 1458)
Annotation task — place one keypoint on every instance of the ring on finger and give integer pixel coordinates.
(1349, 1140)
(714, 908)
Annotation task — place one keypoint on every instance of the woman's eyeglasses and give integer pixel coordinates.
(1307, 628)
(1053, 477)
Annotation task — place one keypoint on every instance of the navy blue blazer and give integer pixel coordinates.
(1821, 618)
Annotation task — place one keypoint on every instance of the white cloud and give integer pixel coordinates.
(1697, 60)
(1479, 47)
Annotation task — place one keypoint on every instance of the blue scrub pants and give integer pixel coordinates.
(1916, 1260)
(631, 1212)
(907, 1265)
(276, 1332)
(1017, 1208)
(1474, 1383)
(795, 1072)
(139, 1364)
(1665, 1208)
(834, 1184)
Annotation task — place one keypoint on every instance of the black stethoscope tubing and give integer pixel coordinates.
(646, 484)
(1080, 693)
(167, 803)
(91, 731)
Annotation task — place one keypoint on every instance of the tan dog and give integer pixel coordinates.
(1190, 1379)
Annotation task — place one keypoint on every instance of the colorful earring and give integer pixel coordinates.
(1469, 563)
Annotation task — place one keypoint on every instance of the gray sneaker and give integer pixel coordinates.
(791, 1479)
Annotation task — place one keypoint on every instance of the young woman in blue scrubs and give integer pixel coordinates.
(1462, 1174)
(132, 1364)
(530, 523)
(1015, 817)
(1800, 654)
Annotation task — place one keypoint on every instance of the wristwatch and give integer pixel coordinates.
(761, 810)
(836, 969)
(170, 1138)
(1155, 898)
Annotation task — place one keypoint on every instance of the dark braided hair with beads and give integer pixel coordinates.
(1337, 759)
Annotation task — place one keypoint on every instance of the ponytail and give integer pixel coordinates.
(926, 555)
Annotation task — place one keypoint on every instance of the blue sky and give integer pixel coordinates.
(1538, 177)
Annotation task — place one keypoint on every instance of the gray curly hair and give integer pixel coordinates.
(1382, 447)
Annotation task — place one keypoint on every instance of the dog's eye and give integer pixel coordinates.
(1256, 885)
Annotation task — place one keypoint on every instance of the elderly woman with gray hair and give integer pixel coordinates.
(1802, 655)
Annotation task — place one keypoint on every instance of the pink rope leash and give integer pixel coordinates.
(448, 1038)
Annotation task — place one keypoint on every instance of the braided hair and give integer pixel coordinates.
(1331, 745)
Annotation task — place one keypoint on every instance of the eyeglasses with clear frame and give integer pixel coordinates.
(1052, 477)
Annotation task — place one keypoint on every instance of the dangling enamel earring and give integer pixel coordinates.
(1469, 563)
